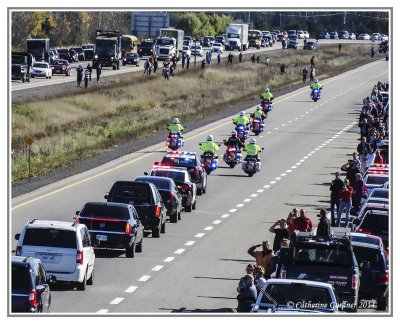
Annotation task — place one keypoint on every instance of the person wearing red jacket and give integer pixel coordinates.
(345, 203)
(303, 223)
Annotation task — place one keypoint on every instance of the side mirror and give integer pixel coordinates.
(17, 236)
(78, 211)
(51, 279)
(145, 173)
(105, 196)
(365, 265)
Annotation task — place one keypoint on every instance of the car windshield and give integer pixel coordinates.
(134, 192)
(309, 297)
(50, 237)
(105, 211)
(181, 161)
(131, 55)
(20, 278)
(367, 254)
(62, 50)
(40, 65)
(60, 62)
(176, 176)
(217, 45)
(322, 254)
(106, 50)
(146, 44)
(373, 180)
(376, 224)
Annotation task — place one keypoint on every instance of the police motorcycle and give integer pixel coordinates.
(232, 156)
(257, 126)
(251, 164)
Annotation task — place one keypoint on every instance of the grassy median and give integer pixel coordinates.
(132, 106)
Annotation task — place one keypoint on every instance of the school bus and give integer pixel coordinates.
(255, 38)
(128, 44)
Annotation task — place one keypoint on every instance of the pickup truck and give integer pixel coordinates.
(325, 259)
(147, 201)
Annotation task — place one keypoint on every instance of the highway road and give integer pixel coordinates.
(196, 265)
(107, 71)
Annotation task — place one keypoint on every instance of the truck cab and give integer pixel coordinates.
(21, 66)
(108, 49)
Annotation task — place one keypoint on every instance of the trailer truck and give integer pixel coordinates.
(108, 48)
(237, 37)
(169, 43)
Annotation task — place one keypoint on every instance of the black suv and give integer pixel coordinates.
(29, 287)
(190, 161)
(322, 259)
(375, 222)
(374, 266)
(113, 225)
(169, 193)
(146, 48)
(147, 201)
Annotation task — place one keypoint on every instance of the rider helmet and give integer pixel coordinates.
(210, 138)
(266, 89)
(252, 141)
(316, 80)
(233, 133)
(242, 113)
(175, 121)
(258, 107)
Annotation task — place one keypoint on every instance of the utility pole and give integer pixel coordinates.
(344, 19)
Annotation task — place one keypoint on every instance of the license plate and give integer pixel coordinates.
(47, 258)
(101, 237)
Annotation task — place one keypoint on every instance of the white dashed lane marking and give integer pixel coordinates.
(169, 259)
(278, 178)
(216, 222)
(272, 182)
(116, 301)
(225, 216)
(190, 243)
(232, 210)
(267, 186)
(157, 268)
(180, 251)
(131, 289)
(260, 190)
(247, 200)
(102, 311)
(208, 228)
(144, 278)
(239, 205)
(253, 195)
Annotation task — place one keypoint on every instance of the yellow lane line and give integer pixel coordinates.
(160, 149)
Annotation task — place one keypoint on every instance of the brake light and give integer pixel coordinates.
(171, 197)
(128, 229)
(79, 257)
(158, 211)
(185, 187)
(18, 251)
(32, 297)
(77, 220)
(196, 171)
(283, 274)
(363, 230)
(354, 281)
(203, 165)
(384, 277)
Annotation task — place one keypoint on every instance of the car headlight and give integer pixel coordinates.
(112, 57)
(124, 59)
(96, 56)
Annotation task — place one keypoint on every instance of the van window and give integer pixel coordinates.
(20, 278)
(50, 237)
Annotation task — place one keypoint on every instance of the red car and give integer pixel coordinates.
(61, 67)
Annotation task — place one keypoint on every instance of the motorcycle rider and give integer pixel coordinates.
(175, 128)
(241, 120)
(252, 149)
(258, 114)
(235, 141)
(210, 146)
(315, 85)
(266, 96)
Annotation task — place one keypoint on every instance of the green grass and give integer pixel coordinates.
(65, 129)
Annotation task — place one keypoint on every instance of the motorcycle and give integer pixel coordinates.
(315, 95)
(174, 141)
(208, 162)
(266, 106)
(257, 126)
(232, 156)
(251, 166)
(242, 132)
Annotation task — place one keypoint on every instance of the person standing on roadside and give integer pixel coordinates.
(358, 191)
(263, 258)
(250, 271)
(280, 233)
(312, 74)
(89, 68)
(183, 60)
(247, 296)
(305, 72)
(79, 75)
(290, 219)
(335, 188)
(345, 203)
(340, 47)
(324, 228)
(312, 62)
(219, 58)
(303, 223)
(187, 62)
(86, 77)
(155, 64)
(253, 58)
(240, 57)
(259, 279)
(98, 72)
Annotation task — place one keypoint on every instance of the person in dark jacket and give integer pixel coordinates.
(351, 169)
(324, 228)
(79, 75)
(336, 188)
(90, 69)
(358, 191)
(98, 72)
(234, 140)
(247, 295)
(280, 233)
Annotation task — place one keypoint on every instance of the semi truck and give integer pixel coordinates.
(38, 47)
(169, 43)
(21, 66)
(108, 48)
(237, 37)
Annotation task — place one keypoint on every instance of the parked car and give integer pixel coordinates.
(169, 193)
(220, 39)
(30, 291)
(384, 38)
(306, 34)
(197, 50)
(217, 47)
(364, 37)
(185, 186)
(324, 35)
(208, 41)
(311, 45)
(333, 35)
(379, 195)
(343, 34)
(374, 266)
(191, 163)
(293, 42)
(374, 180)
(113, 225)
(61, 67)
(41, 69)
(131, 58)
(80, 52)
(186, 50)
(375, 36)
(53, 55)
(374, 222)
(147, 201)
(300, 34)
(296, 296)
(64, 248)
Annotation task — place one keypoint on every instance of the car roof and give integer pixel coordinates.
(164, 168)
(106, 204)
(186, 154)
(365, 245)
(365, 238)
(52, 224)
(159, 179)
(297, 281)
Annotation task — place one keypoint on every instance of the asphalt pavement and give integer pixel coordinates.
(196, 265)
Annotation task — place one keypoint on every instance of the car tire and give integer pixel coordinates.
(82, 285)
(155, 232)
(163, 225)
(204, 189)
(231, 166)
(130, 250)
(139, 246)
(188, 208)
(91, 279)
(199, 191)
(194, 205)
(179, 215)
(174, 218)
(382, 302)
